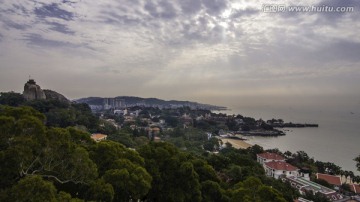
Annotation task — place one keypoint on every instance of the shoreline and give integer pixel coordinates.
(238, 144)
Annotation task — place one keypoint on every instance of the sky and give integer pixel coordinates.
(233, 53)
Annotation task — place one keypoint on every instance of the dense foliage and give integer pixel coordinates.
(57, 113)
(39, 162)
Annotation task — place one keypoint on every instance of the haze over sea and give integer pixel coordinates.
(335, 140)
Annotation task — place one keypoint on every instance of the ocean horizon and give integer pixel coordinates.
(336, 139)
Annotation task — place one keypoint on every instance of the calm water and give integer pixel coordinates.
(336, 140)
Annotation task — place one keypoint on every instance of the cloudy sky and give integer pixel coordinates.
(225, 52)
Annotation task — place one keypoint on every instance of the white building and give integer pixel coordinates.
(268, 157)
(276, 169)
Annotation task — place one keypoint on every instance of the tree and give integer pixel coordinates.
(212, 192)
(268, 194)
(357, 160)
(34, 150)
(171, 121)
(253, 190)
(107, 153)
(174, 176)
(212, 144)
(11, 99)
(32, 188)
(99, 190)
(129, 180)
(58, 159)
(318, 197)
(346, 174)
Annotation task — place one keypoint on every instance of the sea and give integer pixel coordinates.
(336, 140)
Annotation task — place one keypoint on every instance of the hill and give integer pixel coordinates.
(129, 101)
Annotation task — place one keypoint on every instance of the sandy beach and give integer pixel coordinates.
(238, 144)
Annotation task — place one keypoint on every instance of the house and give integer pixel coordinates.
(276, 169)
(331, 179)
(98, 137)
(302, 200)
(355, 188)
(154, 130)
(304, 186)
(267, 157)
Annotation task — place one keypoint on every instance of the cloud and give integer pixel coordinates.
(38, 40)
(58, 27)
(53, 10)
(191, 7)
(153, 47)
(215, 7)
(162, 9)
(238, 13)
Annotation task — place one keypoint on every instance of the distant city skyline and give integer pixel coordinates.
(234, 53)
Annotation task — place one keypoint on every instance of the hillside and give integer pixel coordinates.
(132, 101)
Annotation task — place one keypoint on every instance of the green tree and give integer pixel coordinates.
(32, 188)
(357, 160)
(107, 153)
(212, 144)
(252, 189)
(174, 176)
(11, 99)
(212, 192)
(129, 180)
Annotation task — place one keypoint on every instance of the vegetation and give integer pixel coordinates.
(43, 163)
(46, 154)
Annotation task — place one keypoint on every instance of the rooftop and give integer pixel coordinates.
(98, 136)
(331, 179)
(355, 188)
(271, 156)
(309, 185)
(281, 166)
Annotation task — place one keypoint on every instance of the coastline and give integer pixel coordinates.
(238, 144)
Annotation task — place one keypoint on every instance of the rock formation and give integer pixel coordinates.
(52, 95)
(32, 91)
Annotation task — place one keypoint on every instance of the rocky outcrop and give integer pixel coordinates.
(32, 91)
(52, 95)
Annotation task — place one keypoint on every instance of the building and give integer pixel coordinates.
(355, 188)
(268, 157)
(276, 169)
(98, 137)
(302, 200)
(331, 179)
(113, 103)
(304, 186)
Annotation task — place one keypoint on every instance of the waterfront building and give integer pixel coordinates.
(305, 186)
(268, 157)
(276, 169)
(331, 179)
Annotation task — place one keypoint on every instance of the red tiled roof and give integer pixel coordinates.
(331, 179)
(280, 166)
(98, 136)
(355, 188)
(272, 156)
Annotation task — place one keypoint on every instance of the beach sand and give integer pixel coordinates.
(238, 144)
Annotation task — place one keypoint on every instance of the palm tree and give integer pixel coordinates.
(357, 179)
(342, 173)
(346, 173)
(351, 175)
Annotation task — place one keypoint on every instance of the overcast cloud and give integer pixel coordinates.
(225, 52)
